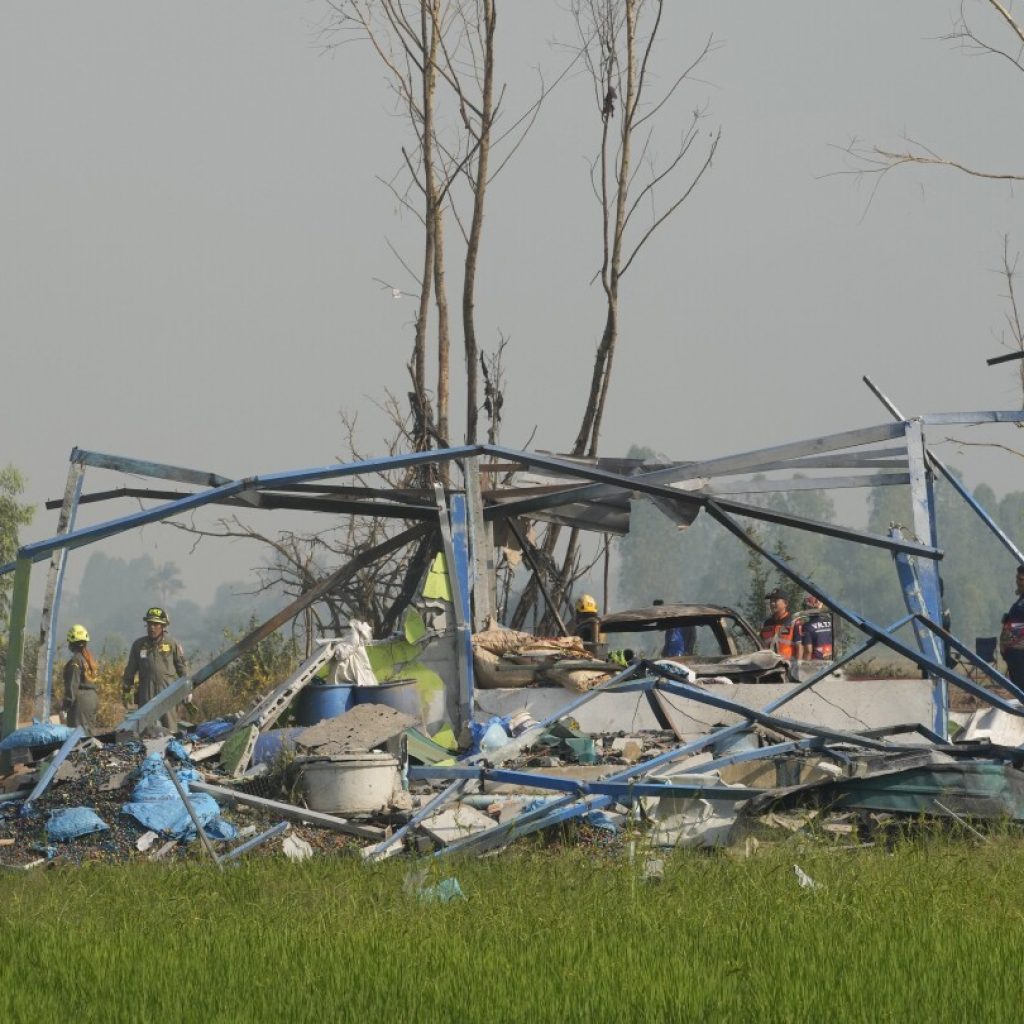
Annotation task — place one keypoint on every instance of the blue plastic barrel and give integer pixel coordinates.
(269, 744)
(322, 700)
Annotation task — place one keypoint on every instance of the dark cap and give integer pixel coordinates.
(773, 595)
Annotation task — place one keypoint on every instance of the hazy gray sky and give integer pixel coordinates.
(190, 229)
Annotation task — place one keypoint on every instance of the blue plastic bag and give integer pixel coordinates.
(445, 891)
(156, 805)
(213, 729)
(490, 735)
(38, 734)
(178, 752)
(72, 822)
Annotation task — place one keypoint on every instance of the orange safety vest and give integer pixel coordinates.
(779, 636)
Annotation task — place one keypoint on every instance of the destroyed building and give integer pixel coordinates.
(453, 734)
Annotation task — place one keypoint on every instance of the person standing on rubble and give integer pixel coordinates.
(587, 625)
(779, 629)
(1011, 637)
(157, 660)
(813, 633)
(81, 701)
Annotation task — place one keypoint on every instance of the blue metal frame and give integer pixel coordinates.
(455, 790)
(46, 778)
(51, 646)
(622, 791)
(462, 572)
(951, 477)
(251, 844)
(682, 498)
(922, 498)
(40, 549)
(863, 624)
(143, 467)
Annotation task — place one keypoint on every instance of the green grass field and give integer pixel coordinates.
(932, 931)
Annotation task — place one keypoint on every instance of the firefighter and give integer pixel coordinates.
(588, 623)
(80, 673)
(156, 660)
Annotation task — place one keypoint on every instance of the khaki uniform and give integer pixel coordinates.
(157, 663)
(588, 628)
(80, 697)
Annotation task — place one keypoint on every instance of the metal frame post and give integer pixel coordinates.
(922, 499)
(54, 588)
(481, 543)
(456, 541)
(951, 478)
(16, 646)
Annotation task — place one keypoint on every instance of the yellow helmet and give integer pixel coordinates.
(78, 635)
(585, 603)
(156, 615)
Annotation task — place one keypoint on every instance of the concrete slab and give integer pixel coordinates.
(363, 728)
(456, 822)
(995, 726)
(847, 705)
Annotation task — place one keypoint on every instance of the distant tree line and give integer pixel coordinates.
(114, 594)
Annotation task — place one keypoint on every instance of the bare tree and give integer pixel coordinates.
(875, 160)
(636, 191)
(1002, 40)
(297, 561)
(1012, 335)
(440, 59)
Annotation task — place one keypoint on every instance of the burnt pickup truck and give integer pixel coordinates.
(717, 641)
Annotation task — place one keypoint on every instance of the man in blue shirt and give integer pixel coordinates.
(814, 631)
(1011, 638)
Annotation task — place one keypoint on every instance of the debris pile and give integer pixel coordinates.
(371, 779)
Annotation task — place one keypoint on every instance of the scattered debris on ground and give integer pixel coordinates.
(79, 800)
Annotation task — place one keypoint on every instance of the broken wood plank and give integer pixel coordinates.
(290, 811)
(205, 752)
(24, 867)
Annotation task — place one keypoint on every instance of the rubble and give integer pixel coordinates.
(738, 785)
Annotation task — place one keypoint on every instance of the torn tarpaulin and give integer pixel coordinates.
(155, 804)
(72, 822)
(38, 734)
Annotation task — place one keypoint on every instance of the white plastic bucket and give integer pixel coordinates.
(350, 783)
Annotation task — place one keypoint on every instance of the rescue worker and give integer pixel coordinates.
(81, 701)
(814, 631)
(778, 630)
(157, 659)
(588, 624)
(1011, 638)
